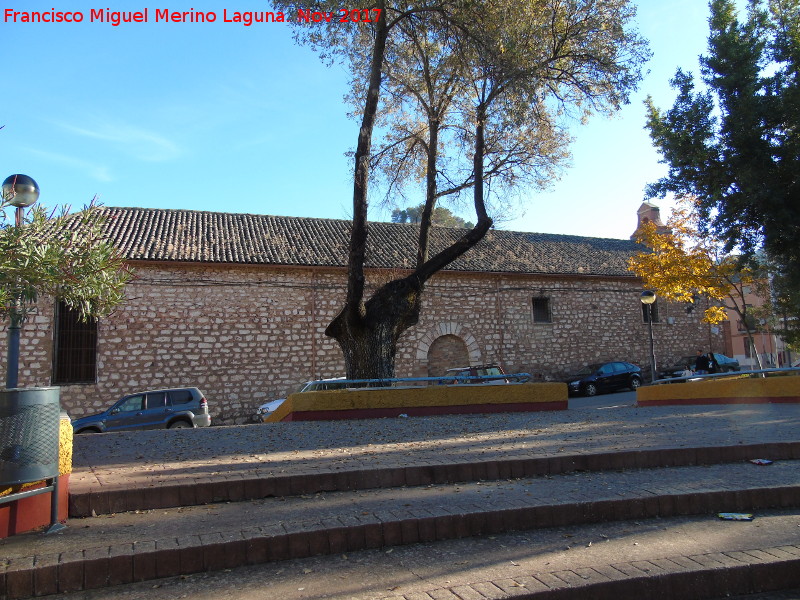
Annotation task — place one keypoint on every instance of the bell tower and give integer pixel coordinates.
(649, 213)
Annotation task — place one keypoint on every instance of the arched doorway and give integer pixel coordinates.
(446, 352)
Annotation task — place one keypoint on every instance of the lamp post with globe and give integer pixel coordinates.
(648, 297)
(19, 191)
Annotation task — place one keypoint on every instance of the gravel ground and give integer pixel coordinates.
(575, 430)
(263, 450)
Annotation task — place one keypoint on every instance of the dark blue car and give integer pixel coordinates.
(604, 377)
(154, 409)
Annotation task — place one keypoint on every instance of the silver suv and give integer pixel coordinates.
(155, 409)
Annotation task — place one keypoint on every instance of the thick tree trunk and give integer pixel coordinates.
(359, 232)
(369, 344)
(426, 222)
(368, 332)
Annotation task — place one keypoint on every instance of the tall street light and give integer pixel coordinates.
(19, 191)
(648, 297)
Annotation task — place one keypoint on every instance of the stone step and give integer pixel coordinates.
(136, 546)
(626, 559)
(88, 497)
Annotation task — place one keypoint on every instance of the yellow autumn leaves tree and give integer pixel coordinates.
(685, 262)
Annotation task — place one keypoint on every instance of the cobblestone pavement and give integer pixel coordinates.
(488, 567)
(313, 512)
(270, 449)
(402, 564)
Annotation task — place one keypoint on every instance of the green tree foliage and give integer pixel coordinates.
(733, 142)
(442, 217)
(469, 94)
(60, 255)
(782, 311)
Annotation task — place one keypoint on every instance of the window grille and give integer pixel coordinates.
(74, 348)
(541, 310)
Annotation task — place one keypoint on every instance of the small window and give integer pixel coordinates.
(132, 404)
(75, 347)
(541, 310)
(156, 400)
(648, 307)
(180, 397)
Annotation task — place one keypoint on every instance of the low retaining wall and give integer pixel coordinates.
(33, 512)
(739, 390)
(421, 401)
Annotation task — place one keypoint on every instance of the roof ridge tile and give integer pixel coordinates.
(183, 235)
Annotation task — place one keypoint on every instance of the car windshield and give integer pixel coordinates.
(489, 371)
(588, 370)
(686, 360)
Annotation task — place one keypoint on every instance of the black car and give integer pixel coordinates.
(604, 377)
(724, 365)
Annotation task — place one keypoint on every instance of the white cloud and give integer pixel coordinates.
(135, 141)
(95, 171)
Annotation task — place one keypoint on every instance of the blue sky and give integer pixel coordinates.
(223, 117)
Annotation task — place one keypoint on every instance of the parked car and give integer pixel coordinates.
(677, 369)
(264, 411)
(486, 373)
(604, 377)
(153, 409)
(725, 363)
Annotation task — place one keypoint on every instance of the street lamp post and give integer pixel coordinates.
(19, 191)
(648, 298)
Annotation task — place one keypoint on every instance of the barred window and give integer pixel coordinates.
(74, 347)
(541, 310)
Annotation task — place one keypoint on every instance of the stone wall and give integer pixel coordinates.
(245, 335)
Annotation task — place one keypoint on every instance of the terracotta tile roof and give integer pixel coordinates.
(210, 237)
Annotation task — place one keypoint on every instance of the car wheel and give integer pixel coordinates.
(180, 425)
(89, 431)
(590, 390)
(635, 383)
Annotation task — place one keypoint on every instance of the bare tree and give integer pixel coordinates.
(493, 77)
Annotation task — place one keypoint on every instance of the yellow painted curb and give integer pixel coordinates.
(771, 389)
(421, 397)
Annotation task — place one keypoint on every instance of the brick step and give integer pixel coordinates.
(128, 547)
(681, 557)
(87, 499)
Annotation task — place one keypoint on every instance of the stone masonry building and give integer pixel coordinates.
(237, 305)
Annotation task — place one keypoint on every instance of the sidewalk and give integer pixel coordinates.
(513, 565)
(366, 493)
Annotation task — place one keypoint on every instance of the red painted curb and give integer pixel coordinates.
(422, 411)
(717, 401)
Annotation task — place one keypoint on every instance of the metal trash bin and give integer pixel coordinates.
(29, 434)
(29, 444)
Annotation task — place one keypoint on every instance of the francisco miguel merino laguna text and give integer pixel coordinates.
(164, 15)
